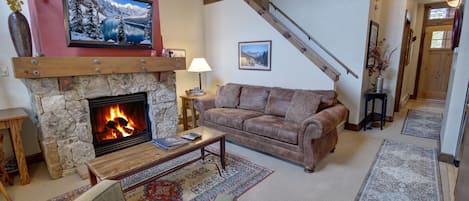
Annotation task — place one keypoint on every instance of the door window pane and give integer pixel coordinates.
(441, 39)
(441, 13)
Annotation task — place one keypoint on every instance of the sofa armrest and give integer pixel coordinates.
(204, 103)
(321, 123)
(106, 190)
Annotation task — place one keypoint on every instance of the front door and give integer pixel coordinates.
(436, 63)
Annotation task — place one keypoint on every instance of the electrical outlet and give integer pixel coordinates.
(3, 71)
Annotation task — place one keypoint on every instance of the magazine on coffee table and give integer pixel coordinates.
(169, 142)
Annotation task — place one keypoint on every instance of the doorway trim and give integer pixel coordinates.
(427, 23)
(403, 60)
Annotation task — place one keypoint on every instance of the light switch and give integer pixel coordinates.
(3, 70)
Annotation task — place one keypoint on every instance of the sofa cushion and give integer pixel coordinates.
(230, 117)
(279, 101)
(253, 98)
(228, 96)
(273, 127)
(302, 105)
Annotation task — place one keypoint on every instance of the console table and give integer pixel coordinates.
(372, 95)
(12, 119)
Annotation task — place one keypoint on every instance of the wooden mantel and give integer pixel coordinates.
(46, 67)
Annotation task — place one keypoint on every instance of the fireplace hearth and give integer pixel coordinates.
(119, 122)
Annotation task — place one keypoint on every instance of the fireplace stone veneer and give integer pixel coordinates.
(63, 118)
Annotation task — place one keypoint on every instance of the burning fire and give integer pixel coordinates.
(119, 123)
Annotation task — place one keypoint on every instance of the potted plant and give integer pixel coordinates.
(19, 29)
(382, 58)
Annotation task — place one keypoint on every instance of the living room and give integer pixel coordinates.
(213, 31)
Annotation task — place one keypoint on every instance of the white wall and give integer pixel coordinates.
(13, 93)
(457, 87)
(182, 28)
(231, 21)
(344, 33)
(391, 27)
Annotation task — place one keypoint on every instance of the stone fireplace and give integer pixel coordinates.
(63, 117)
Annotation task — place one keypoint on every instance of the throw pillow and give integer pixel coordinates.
(253, 98)
(279, 101)
(302, 105)
(227, 96)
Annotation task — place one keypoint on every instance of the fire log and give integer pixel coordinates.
(111, 124)
(122, 121)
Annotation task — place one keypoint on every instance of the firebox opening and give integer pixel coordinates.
(119, 122)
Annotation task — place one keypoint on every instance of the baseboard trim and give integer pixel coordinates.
(34, 158)
(389, 118)
(358, 127)
(354, 127)
(446, 158)
(404, 100)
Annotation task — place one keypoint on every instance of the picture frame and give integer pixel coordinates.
(176, 52)
(109, 24)
(457, 26)
(255, 55)
(372, 42)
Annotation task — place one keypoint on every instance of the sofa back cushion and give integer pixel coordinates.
(279, 101)
(328, 98)
(303, 105)
(253, 98)
(228, 96)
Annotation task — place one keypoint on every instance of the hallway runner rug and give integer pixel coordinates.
(422, 124)
(198, 181)
(402, 172)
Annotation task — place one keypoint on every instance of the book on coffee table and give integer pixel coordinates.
(191, 136)
(169, 142)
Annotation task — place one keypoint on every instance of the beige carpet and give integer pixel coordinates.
(338, 177)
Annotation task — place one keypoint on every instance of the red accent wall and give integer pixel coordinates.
(47, 24)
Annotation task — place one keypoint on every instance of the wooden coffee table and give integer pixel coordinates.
(123, 163)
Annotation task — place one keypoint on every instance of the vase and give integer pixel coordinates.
(379, 83)
(20, 34)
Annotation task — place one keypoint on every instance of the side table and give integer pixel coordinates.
(12, 119)
(188, 104)
(372, 95)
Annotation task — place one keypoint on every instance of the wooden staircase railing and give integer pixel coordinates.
(262, 8)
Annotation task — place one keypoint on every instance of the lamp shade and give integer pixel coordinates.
(453, 3)
(199, 65)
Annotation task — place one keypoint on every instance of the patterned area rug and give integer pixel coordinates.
(198, 181)
(403, 172)
(422, 124)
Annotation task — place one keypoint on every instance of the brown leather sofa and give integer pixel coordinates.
(297, 125)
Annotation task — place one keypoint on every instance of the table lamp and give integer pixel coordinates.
(199, 65)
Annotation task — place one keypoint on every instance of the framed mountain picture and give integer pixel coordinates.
(109, 23)
(255, 55)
